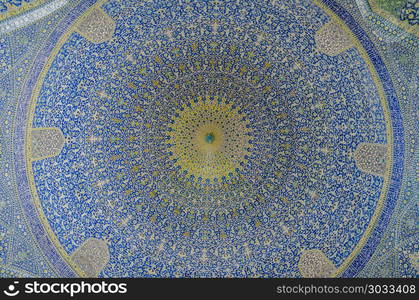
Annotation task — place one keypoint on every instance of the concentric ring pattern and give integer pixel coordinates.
(213, 139)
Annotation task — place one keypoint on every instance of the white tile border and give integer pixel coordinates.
(30, 17)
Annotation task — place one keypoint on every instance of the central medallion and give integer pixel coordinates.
(209, 139)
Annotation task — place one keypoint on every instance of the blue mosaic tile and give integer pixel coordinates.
(211, 139)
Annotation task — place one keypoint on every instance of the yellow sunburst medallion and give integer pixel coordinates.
(209, 139)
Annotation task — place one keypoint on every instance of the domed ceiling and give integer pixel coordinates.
(208, 138)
